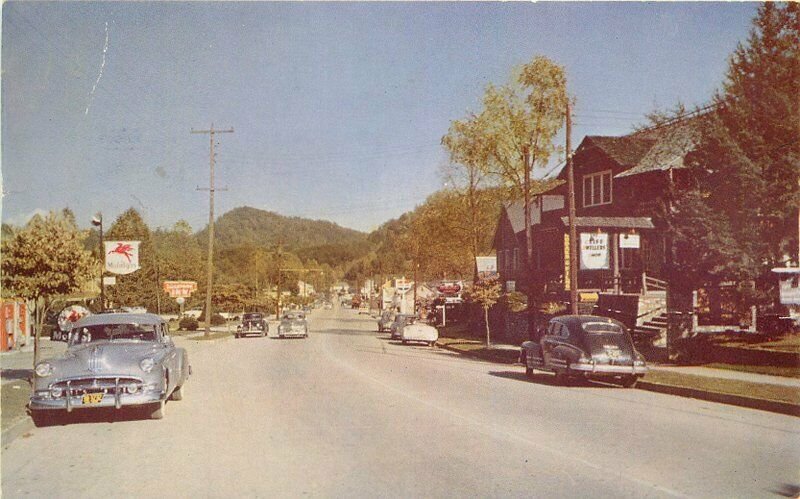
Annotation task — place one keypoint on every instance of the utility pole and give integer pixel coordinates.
(211, 190)
(573, 243)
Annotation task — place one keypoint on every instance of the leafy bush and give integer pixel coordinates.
(216, 319)
(517, 302)
(188, 324)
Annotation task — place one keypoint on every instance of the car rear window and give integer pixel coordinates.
(601, 328)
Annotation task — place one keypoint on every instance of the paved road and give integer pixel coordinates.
(347, 413)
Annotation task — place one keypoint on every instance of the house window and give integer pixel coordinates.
(597, 188)
(516, 258)
(507, 259)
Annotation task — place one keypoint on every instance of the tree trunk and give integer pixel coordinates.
(37, 328)
(486, 320)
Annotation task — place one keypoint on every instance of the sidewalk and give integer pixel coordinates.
(757, 391)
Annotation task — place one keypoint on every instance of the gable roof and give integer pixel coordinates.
(515, 211)
(656, 149)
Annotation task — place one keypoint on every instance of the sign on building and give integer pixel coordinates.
(594, 251)
(178, 289)
(487, 266)
(122, 257)
(630, 241)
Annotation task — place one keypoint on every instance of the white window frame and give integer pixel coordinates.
(588, 194)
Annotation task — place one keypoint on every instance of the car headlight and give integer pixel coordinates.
(44, 369)
(132, 388)
(147, 365)
(56, 392)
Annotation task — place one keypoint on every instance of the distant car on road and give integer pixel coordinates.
(252, 323)
(416, 330)
(385, 321)
(194, 313)
(112, 360)
(585, 346)
(400, 321)
(293, 324)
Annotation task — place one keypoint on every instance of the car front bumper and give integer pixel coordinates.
(75, 402)
(292, 332)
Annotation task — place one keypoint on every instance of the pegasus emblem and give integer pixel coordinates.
(124, 250)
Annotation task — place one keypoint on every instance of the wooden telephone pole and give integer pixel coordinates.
(210, 190)
(573, 243)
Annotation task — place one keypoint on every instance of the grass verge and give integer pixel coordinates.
(727, 386)
(787, 372)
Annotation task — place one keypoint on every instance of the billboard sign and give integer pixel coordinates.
(629, 241)
(180, 289)
(122, 257)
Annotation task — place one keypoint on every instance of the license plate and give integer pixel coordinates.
(92, 398)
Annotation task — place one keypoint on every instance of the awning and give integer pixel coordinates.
(612, 222)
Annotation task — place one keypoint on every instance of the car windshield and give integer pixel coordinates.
(293, 317)
(252, 317)
(113, 332)
(602, 328)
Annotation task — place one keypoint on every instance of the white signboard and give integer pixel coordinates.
(594, 251)
(109, 280)
(122, 257)
(790, 289)
(486, 265)
(629, 241)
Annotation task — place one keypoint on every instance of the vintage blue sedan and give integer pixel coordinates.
(584, 346)
(112, 360)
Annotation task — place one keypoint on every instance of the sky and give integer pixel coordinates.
(338, 109)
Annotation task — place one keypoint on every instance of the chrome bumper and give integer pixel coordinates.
(608, 369)
(109, 400)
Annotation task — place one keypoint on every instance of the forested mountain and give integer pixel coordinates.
(245, 226)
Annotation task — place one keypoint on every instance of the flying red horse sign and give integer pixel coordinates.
(122, 257)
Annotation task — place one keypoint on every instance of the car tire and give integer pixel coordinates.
(158, 410)
(629, 381)
(404, 342)
(528, 371)
(177, 393)
(431, 343)
(562, 379)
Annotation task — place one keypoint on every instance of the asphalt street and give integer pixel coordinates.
(349, 413)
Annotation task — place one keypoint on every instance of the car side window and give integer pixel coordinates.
(552, 330)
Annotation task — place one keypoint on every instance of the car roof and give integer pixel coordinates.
(578, 320)
(119, 318)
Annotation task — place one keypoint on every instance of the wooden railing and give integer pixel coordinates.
(652, 284)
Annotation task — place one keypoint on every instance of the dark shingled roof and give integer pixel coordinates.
(627, 150)
(612, 222)
(655, 149)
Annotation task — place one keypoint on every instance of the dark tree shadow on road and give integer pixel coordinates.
(787, 490)
(97, 415)
(542, 378)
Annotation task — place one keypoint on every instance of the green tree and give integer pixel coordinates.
(44, 260)
(486, 292)
(738, 218)
(520, 120)
(142, 287)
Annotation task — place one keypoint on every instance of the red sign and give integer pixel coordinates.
(449, 288)
(177, 289)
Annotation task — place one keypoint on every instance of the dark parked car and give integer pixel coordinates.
(585, 346)
(252, 323)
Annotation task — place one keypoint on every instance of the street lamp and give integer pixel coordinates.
(97, 221)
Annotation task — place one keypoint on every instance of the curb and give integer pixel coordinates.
(786, 408)
(775, 406)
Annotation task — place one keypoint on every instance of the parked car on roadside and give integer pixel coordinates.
(584, 346)
(293, 324)
(400, 320)
(252, 323)
(417, 330)
(112, 360)
(385, 320)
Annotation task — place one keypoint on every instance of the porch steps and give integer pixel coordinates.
(652, 329)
